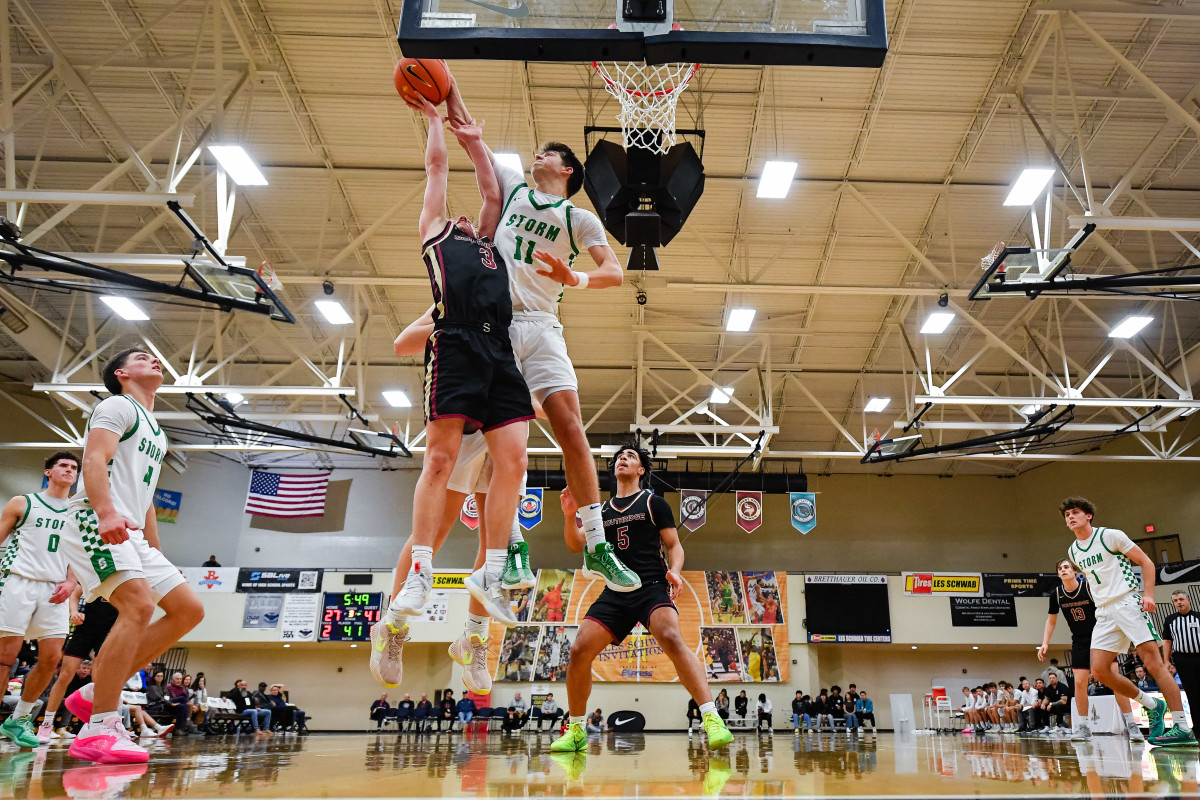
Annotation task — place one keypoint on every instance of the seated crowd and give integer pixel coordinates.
(853, 709)
(425, 714)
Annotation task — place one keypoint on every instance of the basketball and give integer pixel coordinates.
(427, 77)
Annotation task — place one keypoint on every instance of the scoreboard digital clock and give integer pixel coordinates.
(348, 616)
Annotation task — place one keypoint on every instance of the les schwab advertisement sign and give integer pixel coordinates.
(944, 584)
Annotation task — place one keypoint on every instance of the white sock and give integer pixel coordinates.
(422, 556)
(593, 525)
(477, 625)
(707, 708)
(514, 534)
(581, 721)
(1180, 721)
(493, 564)
(1145, 700)
(23, 709)
(98, 719)
(1131, 716)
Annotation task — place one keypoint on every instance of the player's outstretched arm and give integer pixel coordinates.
(411, 341)
(437, 168)
(572, 531)
(13, 510)
(1051, 622)
(471, 138)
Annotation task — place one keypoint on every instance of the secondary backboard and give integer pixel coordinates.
(847, 33)
(1025, 270)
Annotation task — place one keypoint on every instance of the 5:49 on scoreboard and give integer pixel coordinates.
(348, 616)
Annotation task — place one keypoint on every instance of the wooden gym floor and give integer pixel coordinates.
(646, 766)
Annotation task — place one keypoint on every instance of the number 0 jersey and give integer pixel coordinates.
(1101, 557)
(632, 525)
(133, 471)
(1078, 607)
(32, 550)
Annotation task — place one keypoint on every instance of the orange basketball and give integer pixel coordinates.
(427, 77)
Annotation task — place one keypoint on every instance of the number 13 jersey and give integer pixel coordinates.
(1078, 607)
(134, 469)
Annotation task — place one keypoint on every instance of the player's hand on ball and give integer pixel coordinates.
(115, 529)
(555, 268)
(569, 506)
(676, 581)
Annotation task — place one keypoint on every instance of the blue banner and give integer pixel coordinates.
(166, 504)
(804, 511)
(530, 509)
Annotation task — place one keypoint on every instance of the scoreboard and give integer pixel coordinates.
(348, 616)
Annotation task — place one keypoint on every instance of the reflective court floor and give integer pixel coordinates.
(647, 766)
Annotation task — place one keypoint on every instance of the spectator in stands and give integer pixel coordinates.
(466, 710)
(406, 707)
(1053, 669)
(819, 709)
(799, 712)
(1038, 717)
(243, 703)
(512, 721)
(968, 703)
(550, 711)
(177, 696)
(1143, 680)
(198, 701)
(849, 711)
(1058, 700)
(1026, 698)
(445, 709)
(762, 711)
(852, 693)
(283, 713)
(865, 710)
(379, 711)
(212, 562)
(158, 702)
(260, 696)
(423, 709)
(722, 704)
(521, 708)
(1175, 674)
(693, 714)
(741, 704)
(595, 722)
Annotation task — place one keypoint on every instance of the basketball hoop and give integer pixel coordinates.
(648, 94)
(266, 271)
(985, 263)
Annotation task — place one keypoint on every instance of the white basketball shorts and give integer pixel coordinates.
(102, 567)
(26, 610)
(1122, 623)
(541, 351)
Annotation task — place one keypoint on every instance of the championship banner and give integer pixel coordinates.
(733, 620)
(1021, 584)
(944, 584)
(749, 510)
(983, 612)
(470, 513)
(166, 505)
(207, 580)
(530, 508)
(1180, 572)
(693, 508)
(804, 511)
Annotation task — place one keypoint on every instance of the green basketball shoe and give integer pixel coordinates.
(20, 730)
(603, 563)
(1176, 737)
(718, 734)
(517, 573)
(1157, 715)
(574, 740)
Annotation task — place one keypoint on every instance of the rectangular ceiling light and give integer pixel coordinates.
(1029, 186)
(510, 160)
(721, 394)
(776, 179)
(234, 159)
(876, 404)
(739, 319)
(334, 312)
(1129, 326)
(937, 322)
(125, 308)
(396, 398)
(1030, 410)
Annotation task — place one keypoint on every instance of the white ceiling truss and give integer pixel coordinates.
(106, 107)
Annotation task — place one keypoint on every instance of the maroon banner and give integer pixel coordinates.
(470, 513)
(749, 510)
(693, 508)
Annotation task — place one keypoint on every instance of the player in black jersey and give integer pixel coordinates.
(639, 525)
(471, 383)
(1074, 598)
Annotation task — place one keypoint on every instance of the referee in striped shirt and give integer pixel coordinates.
(1181, 640)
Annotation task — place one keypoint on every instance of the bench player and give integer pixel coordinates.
(1074, 599)
(1107, 557)
(34, 583)
(639, 523)
(111, 544)
(539, 236)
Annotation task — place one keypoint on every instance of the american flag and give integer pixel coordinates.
(273, 494)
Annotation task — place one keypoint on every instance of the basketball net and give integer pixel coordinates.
(266, 271)
(648, 94)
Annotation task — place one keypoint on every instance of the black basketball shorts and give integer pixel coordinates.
(1081, 653)
(87, 637)
(619, 612)
(472, 375)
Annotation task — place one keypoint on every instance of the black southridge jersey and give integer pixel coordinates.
(470, 285)
(632, 525)
(1078, 607)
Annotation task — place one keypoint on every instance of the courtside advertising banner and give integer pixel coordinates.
(207, 580)
(289, 579)
(944, 584)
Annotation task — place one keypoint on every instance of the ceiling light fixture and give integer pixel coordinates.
(721, 394)
(238, 164)
(1129, 326)
(397, 398)
(739, 319)
(876, 404)
(510, 160)
(776, 179)
(334, 312)
(125, 308)
(937, 322)
(1028, 186)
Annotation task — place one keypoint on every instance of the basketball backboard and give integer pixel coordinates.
(1025, 270)
(847, 33)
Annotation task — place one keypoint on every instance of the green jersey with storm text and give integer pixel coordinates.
(533, 220)
(1109, 571)
(32, 550)
(134, 469)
